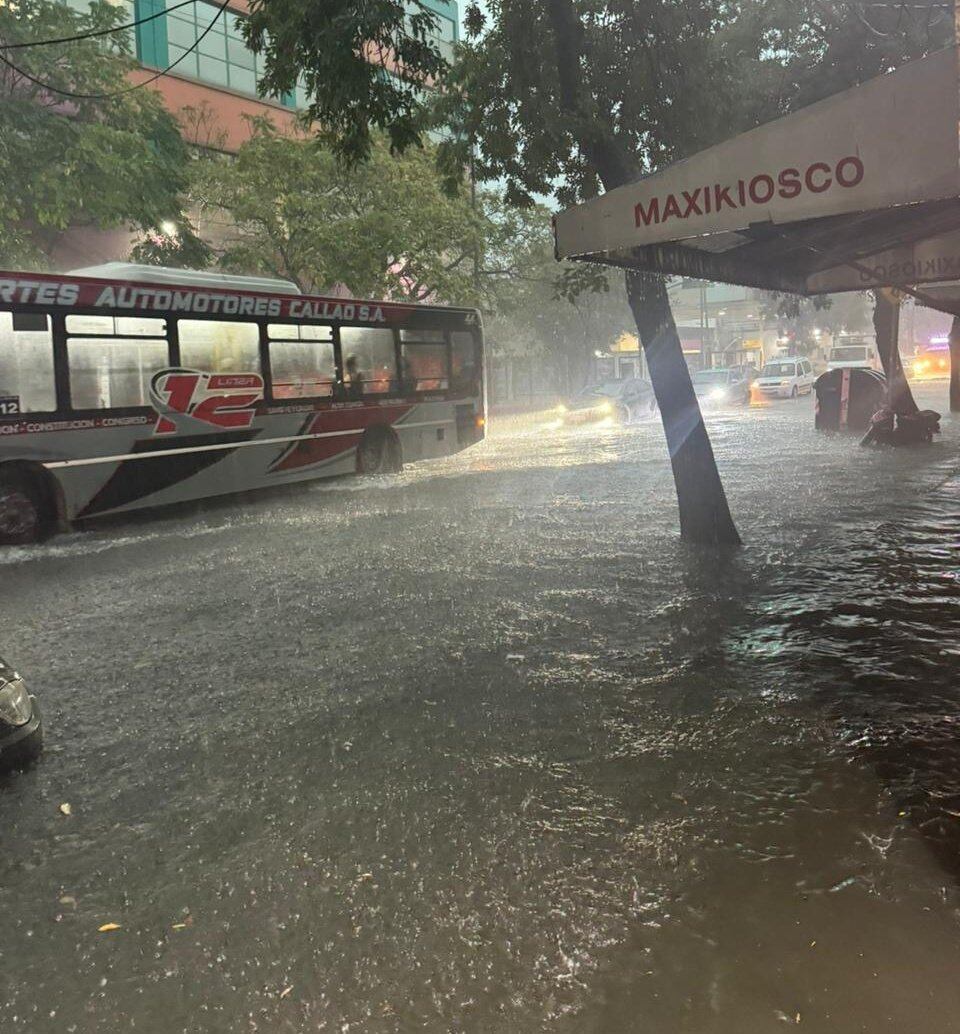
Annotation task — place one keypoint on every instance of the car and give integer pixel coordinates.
(621, 401)
(931, 363)
(21, 725)
(722, 387)
(786, 378)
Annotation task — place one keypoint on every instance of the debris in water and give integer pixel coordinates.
(286, 991)
(66, 809)
(108, 928)
(843, 884)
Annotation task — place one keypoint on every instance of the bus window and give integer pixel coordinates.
(463, 356)
(298, 332)
(116, 326)
(374, 361)
(424, 357)
(219, 346)
(302, 363)
(111, 373)
(26, 364)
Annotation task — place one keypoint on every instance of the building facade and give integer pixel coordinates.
(220, 71)
(211, 86)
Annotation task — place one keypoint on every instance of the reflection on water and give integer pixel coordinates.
(482, 747)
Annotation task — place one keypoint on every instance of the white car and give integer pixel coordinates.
(786, 378)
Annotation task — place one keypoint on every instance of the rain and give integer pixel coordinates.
(484, 746)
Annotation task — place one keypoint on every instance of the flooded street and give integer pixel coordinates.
(483, 747)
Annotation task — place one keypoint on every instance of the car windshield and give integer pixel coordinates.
(779, 370)
(849, 353)
(711, 377)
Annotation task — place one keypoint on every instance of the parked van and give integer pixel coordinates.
(785, 378)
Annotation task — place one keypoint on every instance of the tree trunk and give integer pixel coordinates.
(955, 366)
(886, 323)
(704, 513)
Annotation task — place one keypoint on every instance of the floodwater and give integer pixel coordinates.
(483, 748)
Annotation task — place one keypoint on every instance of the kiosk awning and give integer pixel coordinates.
(860, 190)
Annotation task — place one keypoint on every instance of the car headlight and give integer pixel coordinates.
(16, 707)
(718, 393)
(606, 407)
(561, 409)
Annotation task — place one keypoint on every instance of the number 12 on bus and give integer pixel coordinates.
(123, 387)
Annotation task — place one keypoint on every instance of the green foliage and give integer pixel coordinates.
(563, 98)
(68, 162)
(385, 228)
(179, 247)
(803, 317)
(564, 328)
(364, 64)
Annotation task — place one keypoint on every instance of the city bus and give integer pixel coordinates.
(124, 387)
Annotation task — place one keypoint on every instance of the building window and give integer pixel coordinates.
(221, 57)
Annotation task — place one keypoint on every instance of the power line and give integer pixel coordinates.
(97, 32)
(129, 89)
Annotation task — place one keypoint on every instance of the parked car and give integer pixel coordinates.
(21, 727)
(624, 401)
(786, 378)
(722, 387)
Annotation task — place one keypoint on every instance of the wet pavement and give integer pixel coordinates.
(482, 747)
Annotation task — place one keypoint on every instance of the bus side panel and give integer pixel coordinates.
(240, 461)
(186, 468)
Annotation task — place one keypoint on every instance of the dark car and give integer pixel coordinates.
(722, 387)
(21, 727)
(621, 401)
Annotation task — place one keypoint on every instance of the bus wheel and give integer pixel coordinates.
(379, 452)
(21, 515)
